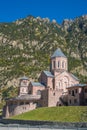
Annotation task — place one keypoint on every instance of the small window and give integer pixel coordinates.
(26, 102)
(30, 92)
(54, 94)
(58, 64)
(38, 92)
(86, 100)
(54, 64)
(86, 90)
(69, 91)
(63, 64)
(70, 101)
(24, 108)
(73, 94)
(59, 84)
(21, 103)
(75, 100)
(76, 91)
(22, 89)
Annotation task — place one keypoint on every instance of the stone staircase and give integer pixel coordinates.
(63, 100)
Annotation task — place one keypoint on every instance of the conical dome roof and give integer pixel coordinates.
(24, 78)
(58, 53)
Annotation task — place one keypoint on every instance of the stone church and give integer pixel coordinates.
(50, 90)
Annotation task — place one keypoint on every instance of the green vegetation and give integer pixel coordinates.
(59, 114)
(9, 92)
(27, 44)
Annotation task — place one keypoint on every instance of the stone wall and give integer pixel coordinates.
(53, 97)
(44, 98)
(77, 96)
(11, 110)
(45, 124)
(43, 79)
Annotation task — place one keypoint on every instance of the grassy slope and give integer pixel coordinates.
(61, 114)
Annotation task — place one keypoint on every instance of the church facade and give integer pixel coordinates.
(52, 88)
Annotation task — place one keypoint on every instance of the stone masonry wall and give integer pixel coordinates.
(54, 96)
(12, 110)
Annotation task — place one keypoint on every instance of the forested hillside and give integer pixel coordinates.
(27, 44)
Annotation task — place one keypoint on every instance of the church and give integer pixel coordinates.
(52, 89)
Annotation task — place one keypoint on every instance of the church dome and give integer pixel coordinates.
(58, 53)
(24, 78)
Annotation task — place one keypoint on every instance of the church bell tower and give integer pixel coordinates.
(58, 62)
(23, 85)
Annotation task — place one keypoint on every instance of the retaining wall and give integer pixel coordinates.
(45, 124)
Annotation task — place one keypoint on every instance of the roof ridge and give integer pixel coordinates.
(37, 84)
(48, 73)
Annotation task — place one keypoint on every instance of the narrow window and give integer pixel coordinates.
(58, 64)
(73, 94)
(63, 64)
(70, 101)
(59, 84)
(86, 100)
(76, 90)
(69, 91)
(75, 100)
(54, 65)
(86, 90)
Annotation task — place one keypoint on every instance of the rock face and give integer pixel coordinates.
(26, 45)
(67, 23)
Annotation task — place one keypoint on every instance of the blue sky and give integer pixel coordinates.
(11, 10)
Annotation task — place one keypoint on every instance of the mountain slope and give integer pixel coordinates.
(27, 44)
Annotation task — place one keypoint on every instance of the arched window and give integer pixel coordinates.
(58, 64)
